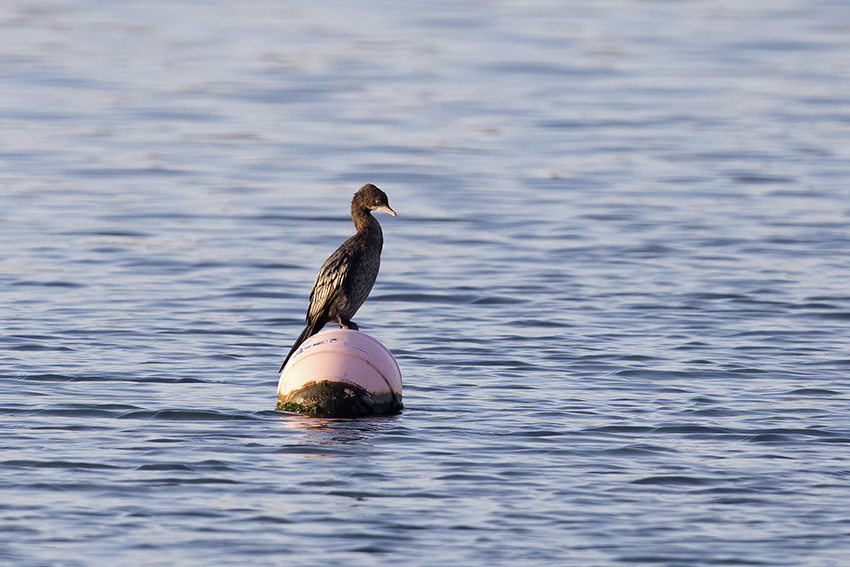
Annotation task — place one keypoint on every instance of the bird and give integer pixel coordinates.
(347, 276)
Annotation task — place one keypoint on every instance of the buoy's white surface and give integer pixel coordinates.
(340, 373)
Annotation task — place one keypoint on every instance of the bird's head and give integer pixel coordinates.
(373, 199)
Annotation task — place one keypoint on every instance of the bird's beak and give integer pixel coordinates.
(386, 209)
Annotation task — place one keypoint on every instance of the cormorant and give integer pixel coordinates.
(347, 276)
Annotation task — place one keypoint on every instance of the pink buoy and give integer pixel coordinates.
(340, 373)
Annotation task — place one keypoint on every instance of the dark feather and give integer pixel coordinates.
(347, 276)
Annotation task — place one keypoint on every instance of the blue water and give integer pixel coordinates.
(617, 286)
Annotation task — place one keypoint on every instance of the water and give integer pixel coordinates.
(617, 286)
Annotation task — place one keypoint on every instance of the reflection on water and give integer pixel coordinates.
(329, 432)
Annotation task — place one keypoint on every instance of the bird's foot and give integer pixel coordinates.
(350, 325)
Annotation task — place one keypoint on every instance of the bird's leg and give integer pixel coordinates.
(348, 324)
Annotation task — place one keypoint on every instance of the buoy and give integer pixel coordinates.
(340, 373)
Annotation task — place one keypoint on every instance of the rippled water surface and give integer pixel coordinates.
(617, 286)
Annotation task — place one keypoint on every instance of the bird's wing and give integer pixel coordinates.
(330, 281)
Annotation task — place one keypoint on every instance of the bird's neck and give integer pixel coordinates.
(364, 221)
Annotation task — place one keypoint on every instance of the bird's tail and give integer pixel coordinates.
(311, 329)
